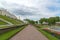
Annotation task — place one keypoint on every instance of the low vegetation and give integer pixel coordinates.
(14, 21)
(52, 32)
(50, 21)
(2, 23)
(10, 33)
(47, 34)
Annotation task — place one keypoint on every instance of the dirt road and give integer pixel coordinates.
(29, 33)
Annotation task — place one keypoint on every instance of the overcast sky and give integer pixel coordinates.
(32, 9)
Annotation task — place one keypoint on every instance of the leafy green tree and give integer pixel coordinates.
(36, 22)
(57, 18)
(43, 20)
(51, 21)
(30, 21)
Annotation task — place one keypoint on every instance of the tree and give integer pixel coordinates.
(30, 21)
(51, 21)
(36, 22)
(57, 18)
(43, 20)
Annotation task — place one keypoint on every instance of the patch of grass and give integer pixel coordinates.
(3, 26)
(14, 21)
(58, 36)
(7, 35)
(49, 36)
(2, 23)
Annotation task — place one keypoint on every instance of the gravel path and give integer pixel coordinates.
(29, 33)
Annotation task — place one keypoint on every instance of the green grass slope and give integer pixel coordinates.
(13, 21)
(9, 34)
(2, 23)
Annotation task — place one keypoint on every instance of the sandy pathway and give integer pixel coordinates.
(29, 33)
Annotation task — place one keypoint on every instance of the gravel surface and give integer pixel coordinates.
(29, 33)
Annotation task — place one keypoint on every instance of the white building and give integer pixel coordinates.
(6, 13)
(57, 23)
(45, 23)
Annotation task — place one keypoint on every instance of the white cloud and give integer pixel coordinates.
(41, 8)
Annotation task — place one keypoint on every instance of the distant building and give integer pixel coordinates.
(57, 23)
(6, 13)
(45, 23)
(25, 22)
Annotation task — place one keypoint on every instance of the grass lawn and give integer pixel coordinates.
(14, 21)
(48, 35)
(3, 26)
(7, 35)
(2, 23)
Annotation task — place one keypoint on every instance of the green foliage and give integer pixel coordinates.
(43, 20)
(36, 22)
(30, 21)
(2, 23)
(10, 33)
(51, 20)
(14, 21)
(49, 36)
(57, 18)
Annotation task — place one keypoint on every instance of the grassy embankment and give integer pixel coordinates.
(2, 23)
(13, 21)
(10, 33)
(48, 35)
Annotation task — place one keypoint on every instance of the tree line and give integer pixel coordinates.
(50, 20)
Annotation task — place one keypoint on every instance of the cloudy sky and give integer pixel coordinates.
(32, 9)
